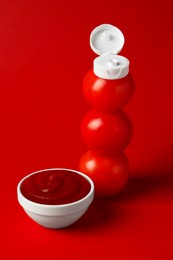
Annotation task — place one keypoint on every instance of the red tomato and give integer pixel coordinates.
(107, 95)
(106, 133)
(109, 173)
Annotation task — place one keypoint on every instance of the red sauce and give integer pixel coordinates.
(55, 187)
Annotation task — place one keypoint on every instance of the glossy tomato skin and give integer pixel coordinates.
(108, 95)
(109, 173)
(106, 133)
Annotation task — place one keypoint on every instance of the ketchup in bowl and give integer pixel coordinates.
(55, 187)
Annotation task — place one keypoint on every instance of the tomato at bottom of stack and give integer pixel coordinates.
(109, 173)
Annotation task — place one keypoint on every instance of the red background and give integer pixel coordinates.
(44, 55)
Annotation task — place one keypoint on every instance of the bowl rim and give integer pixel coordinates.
(22, 199)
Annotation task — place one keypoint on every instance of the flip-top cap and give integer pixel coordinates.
(106, 38)
(107, 41)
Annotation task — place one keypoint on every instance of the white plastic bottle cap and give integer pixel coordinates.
(107, 41)
(111, 66)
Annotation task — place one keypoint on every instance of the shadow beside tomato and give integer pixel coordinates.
(116, 209)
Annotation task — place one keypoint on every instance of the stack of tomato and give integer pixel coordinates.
(107, 131)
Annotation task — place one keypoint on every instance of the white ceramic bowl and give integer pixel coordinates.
(56, 216)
